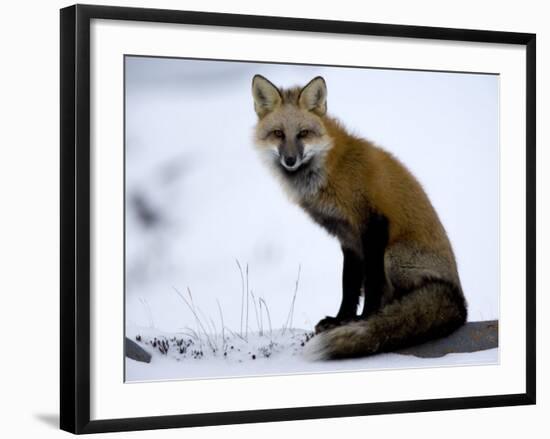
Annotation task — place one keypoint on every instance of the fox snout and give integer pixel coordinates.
(289, 161)
(291, 156)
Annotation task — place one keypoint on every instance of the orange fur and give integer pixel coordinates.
(362, 175)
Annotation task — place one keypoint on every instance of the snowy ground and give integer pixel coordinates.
(204, 214)
(180, 356)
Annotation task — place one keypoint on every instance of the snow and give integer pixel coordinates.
(267, 354)
(199, 201)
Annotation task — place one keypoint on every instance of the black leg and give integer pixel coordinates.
(352, 280)
(375, 241)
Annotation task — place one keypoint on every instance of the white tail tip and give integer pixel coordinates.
(316, 349)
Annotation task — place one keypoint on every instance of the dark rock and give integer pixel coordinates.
(472, 337)
(136, 352)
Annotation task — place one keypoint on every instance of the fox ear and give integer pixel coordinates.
(266, 96)
(313, 96)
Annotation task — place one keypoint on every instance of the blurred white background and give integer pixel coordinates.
(198, 197)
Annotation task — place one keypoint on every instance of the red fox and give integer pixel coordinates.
(395, 249)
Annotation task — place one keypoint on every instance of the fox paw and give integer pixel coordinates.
(326, 324)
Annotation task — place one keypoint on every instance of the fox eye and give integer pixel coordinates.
(278, 133)
(303, 133)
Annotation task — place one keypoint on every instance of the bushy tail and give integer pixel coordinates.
(433, 310)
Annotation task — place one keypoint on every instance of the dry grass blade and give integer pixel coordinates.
(148, 311)
(290, 317)
(198, 320)
(223, 325)
(242, 293)
(246, 327)
(268, 319)
(256, 312)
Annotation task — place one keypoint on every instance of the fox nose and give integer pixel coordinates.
(290, 161)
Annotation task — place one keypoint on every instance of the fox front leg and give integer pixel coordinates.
(352, 280)
(375, 240)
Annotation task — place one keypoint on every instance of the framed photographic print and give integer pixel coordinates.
(272, 218)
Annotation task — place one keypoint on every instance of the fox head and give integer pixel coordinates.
(290, 132)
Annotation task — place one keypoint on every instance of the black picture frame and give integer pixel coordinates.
(75, 217)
